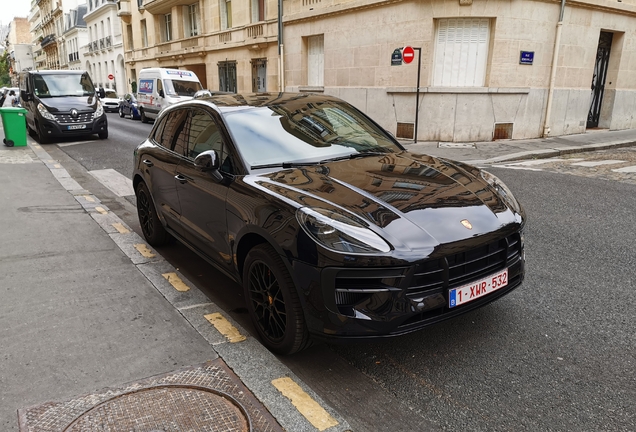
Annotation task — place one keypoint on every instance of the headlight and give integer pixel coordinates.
(45, 113)
(99, 111)
(340, 233)
(502, 189)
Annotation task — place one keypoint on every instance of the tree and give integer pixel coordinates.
(5, 79)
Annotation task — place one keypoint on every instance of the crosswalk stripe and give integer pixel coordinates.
(629, 169)
(118, 183)
(591, 164)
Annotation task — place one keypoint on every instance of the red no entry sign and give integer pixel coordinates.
(408, 54)
(111, 77)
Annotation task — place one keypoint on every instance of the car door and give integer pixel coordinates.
(160, 164)
(202, 198)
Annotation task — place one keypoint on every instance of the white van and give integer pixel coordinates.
(158, 88)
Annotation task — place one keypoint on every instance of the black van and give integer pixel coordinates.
(61, 103)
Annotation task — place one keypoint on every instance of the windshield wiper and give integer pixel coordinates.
(355, 156)
(284, 165)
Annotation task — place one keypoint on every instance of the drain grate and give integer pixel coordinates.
(205, 398)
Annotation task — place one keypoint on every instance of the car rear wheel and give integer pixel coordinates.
(273, 303)
(151, 226)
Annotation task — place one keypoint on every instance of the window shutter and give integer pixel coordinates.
(461, 52)
(315, 60)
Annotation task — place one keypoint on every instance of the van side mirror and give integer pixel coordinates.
(25, 96)
(161, 93)
(102, 93)
(208, 161)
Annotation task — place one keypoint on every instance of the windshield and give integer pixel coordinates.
(63, 84)
(181, 88)
(110, 94)
(310, 133)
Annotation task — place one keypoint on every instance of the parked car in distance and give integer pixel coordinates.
(62, 103)
(333, 229)
(128, 106)
(110, 100)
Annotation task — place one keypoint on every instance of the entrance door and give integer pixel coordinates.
(259, 73)
(598, 79)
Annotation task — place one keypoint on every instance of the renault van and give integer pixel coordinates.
(61, 103)
(159, 87)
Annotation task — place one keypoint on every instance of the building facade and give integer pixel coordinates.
(19, 48)
(103, 56)
(486, 66)
(232, 45)
(75, 36)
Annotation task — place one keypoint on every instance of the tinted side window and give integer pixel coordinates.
(167, 133)
(205, 135)
(180, 142)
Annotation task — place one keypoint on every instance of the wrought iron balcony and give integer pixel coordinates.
(48, 40)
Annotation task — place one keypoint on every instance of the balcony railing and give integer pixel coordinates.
(47, 40)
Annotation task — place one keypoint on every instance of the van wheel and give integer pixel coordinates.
(103, 135)
(42, 138)
(144, 119)
(32, 133)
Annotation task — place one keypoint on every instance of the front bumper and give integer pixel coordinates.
(55, 129)
(366, 303)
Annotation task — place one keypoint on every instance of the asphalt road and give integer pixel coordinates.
(558, 353)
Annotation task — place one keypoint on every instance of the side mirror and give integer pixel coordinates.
(102, 93)
(208, 161)
(161, 93)
(25, 96)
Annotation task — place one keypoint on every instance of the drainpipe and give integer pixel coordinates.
(555, 60)
(281, 52)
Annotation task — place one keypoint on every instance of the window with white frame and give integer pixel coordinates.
(315, 60)
(226, 14)
(461, 52)
(191, 17)
(167, 27)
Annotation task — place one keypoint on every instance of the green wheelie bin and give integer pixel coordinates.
(14, 124)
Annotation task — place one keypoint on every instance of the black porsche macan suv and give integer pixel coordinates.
(333, 229)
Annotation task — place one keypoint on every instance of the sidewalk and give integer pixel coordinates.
(94, 321)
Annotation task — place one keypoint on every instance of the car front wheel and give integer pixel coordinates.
(151, 226)
(273, 303)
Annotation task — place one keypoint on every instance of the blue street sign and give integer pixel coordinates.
(526, 57)
(396, 57)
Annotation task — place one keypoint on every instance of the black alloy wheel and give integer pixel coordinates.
(151, 226)
(273, 303)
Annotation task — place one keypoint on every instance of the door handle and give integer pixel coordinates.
(147, 163)
(181, 178)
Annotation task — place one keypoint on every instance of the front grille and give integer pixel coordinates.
(66, 118)
(424, 283)
(458, 269)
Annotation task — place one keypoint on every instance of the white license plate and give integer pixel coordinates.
(73, 127)
(479, 288)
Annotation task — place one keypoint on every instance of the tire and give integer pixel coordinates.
(103, 135)
(142, 114)
(121, 112)
(42, 138)
(31, 132)
(273, 303)
(151, 226)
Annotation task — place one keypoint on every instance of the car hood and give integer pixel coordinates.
(415, 201)
(67, 103)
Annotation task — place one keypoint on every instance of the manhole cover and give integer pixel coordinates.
(171, 408)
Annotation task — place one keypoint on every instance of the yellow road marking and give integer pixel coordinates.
(89, 198)
(225, 327)
(305, 404)
(121, 228)
(176, 282)
(101, 210)
(144, 250)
